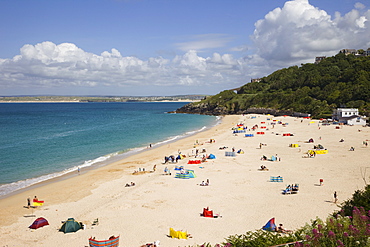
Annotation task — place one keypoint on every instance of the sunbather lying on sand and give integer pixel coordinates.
(281, 229)
(264, 168)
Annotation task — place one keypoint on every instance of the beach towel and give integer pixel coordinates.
(194, 162)
(37, 203)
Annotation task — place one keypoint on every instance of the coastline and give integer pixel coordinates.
(7, 201)
(239, 192)
(92, 159)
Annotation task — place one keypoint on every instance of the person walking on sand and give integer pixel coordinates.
(335, 197)
(28, 202)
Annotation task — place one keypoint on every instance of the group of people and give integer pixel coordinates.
(205, 183)
(35, 199)
(264, 168)
(130, 184)
(140, 170)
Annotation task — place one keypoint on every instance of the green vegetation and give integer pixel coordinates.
(339, 81)
(348, 227)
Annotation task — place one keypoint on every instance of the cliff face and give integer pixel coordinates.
(207, 109)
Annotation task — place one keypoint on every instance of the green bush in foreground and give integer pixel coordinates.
(339, 231)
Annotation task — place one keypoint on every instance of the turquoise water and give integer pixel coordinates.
(40, 141)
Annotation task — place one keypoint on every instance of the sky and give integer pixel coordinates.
(166, 47)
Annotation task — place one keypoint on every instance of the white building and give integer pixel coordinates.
(348, 116)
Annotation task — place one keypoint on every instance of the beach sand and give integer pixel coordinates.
(238, 191)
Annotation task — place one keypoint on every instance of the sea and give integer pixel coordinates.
(42, 141)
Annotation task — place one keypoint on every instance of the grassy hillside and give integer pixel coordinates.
(339, 81)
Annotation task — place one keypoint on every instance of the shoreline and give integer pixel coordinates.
(71, 172)
(241, 193)
(89, 171)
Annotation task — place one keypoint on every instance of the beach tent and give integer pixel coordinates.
(178, 234)
(70, 226)
(270, 225)
(111, 242)
(39, 222)
(211, 156)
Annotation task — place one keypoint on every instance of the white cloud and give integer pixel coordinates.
(291, 35)
(49, 65)
(359, 5)
(299, 31)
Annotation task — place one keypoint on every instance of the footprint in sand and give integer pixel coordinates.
(153, 204)
(147, 206)
(115, 170)
(122, 207)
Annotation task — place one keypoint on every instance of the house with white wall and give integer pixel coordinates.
(348, 116)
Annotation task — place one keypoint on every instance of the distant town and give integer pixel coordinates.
(179, 98)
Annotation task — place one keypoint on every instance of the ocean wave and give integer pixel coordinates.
(7, 189)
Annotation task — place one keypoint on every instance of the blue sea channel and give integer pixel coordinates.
(41, 141)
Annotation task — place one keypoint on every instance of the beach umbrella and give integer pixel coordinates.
(39, 222)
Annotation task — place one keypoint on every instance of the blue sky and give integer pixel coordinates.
(166, 47)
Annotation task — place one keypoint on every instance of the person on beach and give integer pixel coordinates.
(28, 202)
(35, 199)
(281, 229)
(335, 197)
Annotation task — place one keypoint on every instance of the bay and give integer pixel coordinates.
(40, 141)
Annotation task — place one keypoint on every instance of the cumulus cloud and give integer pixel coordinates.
(50, 65)
(291, 35)
(299, 31)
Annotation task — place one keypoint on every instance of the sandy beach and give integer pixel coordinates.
(238, 191)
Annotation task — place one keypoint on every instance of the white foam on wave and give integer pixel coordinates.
(6, 189)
